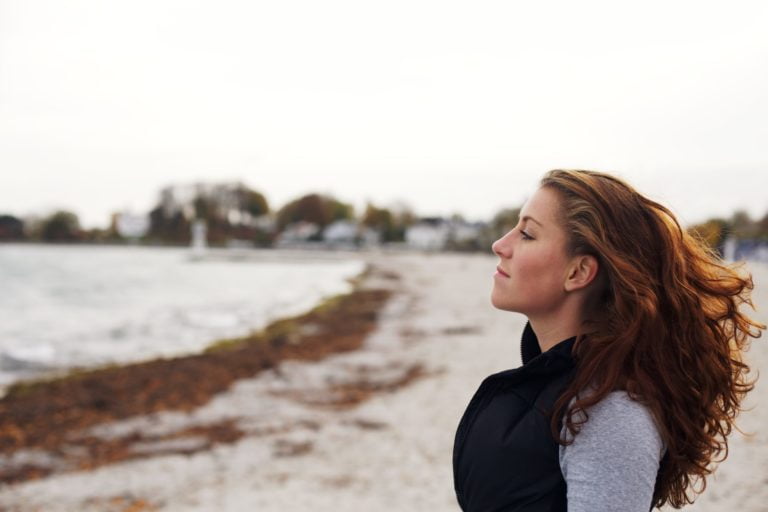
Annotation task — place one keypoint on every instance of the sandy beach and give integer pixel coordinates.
(303, 447)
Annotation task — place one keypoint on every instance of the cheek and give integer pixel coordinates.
(538, 275)
(541, 264)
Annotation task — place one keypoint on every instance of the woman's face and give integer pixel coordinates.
(533, 256)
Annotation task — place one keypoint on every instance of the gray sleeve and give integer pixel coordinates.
(613, 461)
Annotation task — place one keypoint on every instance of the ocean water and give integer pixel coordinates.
(67, 306)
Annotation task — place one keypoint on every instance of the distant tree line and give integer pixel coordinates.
(241, 213)
(59, 226)
(740, 226)
(245, 216)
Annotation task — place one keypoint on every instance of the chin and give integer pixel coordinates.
(499, 303)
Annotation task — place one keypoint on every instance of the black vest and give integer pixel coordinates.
(504, 456)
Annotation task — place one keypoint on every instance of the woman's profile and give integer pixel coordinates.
(632, 372)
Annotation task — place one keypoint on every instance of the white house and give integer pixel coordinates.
(465, 231)
(130, 225)
(341, 232)
(369, 237)
(429, 233)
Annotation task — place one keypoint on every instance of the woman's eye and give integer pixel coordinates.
(526, 236)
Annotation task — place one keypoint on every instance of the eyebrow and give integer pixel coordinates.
(526, 217)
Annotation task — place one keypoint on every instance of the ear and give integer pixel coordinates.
(582, 271)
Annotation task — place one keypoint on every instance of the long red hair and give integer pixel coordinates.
(665, 324)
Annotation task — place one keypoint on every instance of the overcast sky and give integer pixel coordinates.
(448, 106)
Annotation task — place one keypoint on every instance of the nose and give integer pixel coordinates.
(501, 247)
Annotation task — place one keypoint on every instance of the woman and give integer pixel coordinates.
(632, 373)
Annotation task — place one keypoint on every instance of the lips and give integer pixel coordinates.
(498, 269)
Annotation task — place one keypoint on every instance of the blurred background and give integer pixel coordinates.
(178, 173)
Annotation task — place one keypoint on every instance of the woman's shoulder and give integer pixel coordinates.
(618, 405)
(617, 423)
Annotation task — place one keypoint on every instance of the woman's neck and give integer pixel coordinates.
(550, 334)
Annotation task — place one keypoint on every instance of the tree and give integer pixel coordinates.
(762, 228)
(742, 226)
(178, 229)
(252, 202)
(157, 223)
(61, 226)
(204, 208)
(339, 210)
(713, 232)
(380, 220)
(11, 228)
(314, 208)
(174, 228)
(505, 220)
(403, 216)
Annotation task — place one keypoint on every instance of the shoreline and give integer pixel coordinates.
(24, 366)
(47, 414)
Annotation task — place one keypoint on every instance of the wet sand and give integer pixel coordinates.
(369, 429)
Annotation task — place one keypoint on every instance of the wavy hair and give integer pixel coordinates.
(664, 324)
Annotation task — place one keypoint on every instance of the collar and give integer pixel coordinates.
(555, 360)
(530, 349)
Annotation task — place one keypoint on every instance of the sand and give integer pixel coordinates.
(391, 452)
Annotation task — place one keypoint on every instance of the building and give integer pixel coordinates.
(341, 232)
(429, 233)
(130, 225)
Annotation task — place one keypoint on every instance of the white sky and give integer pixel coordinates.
(448, 106)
